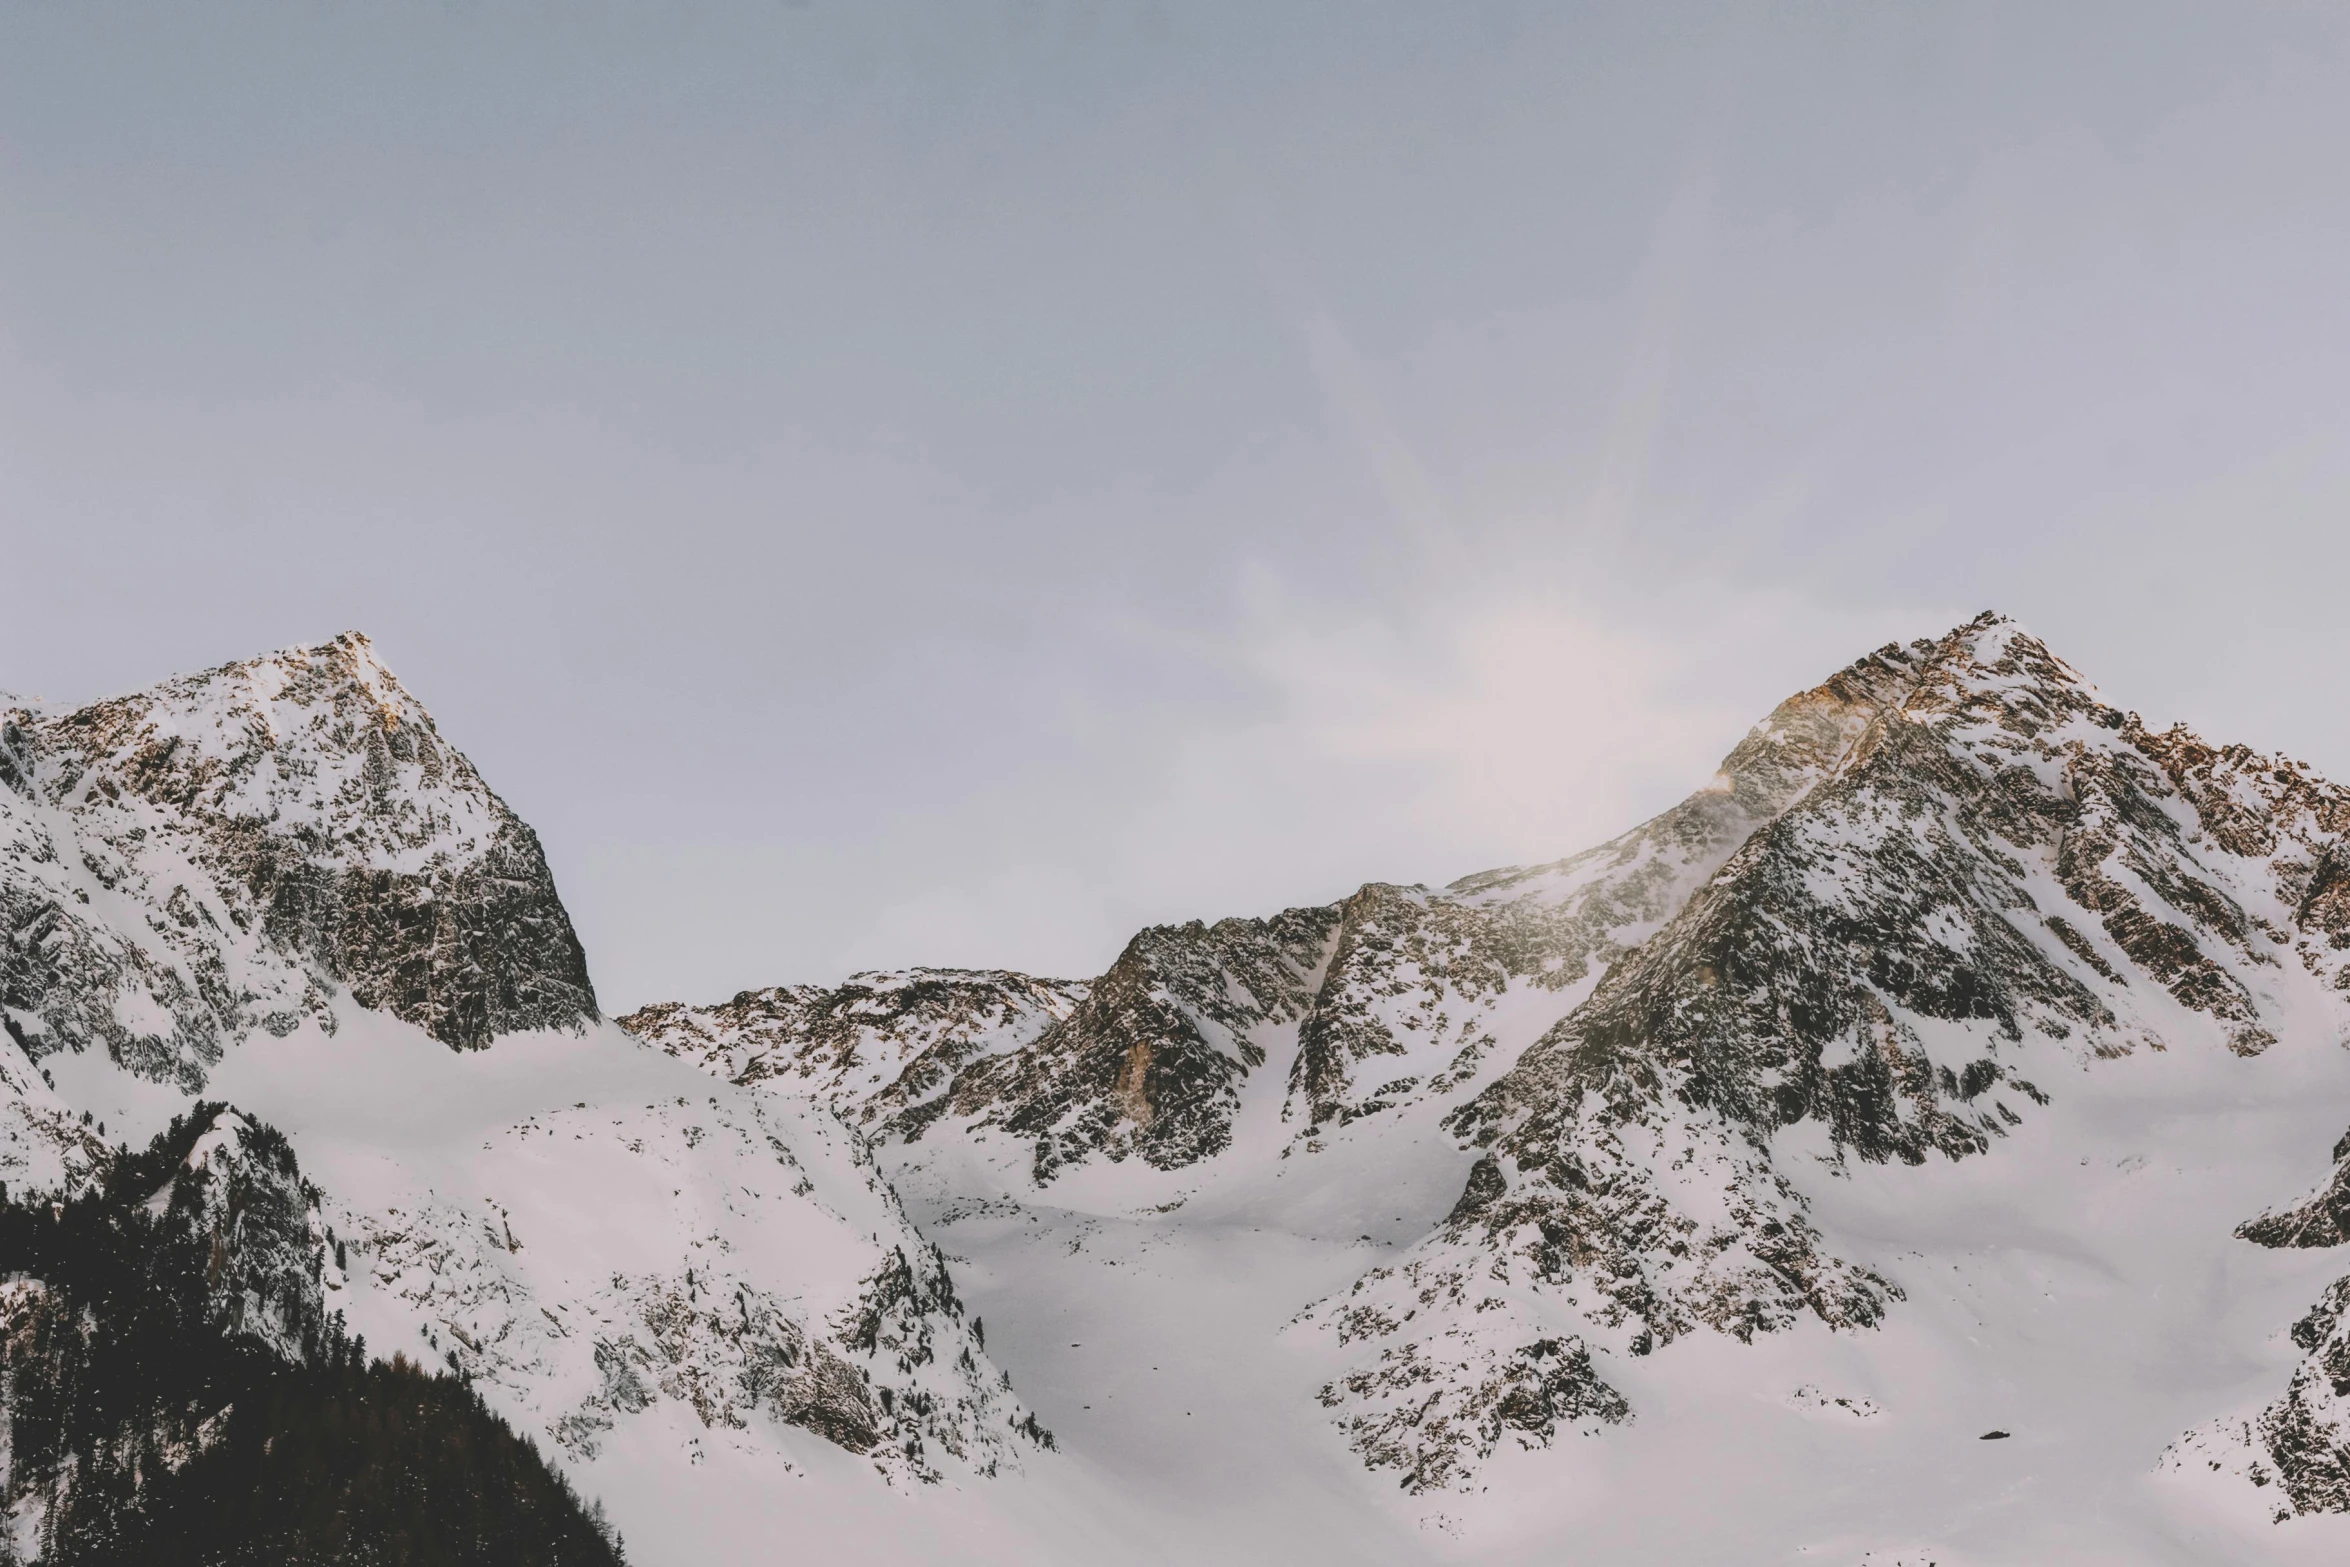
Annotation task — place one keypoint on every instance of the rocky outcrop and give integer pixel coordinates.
(2323, 1219)
(238, 1196)
(1149, 1064)
(2307, 1432)
(223, 852)
(873, 1047)
(1976, 859)
(2302, 1439)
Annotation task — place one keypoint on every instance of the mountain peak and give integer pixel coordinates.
(307, 830)
(308, 687)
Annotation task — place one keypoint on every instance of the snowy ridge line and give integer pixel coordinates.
(1933, 1100)
(276, 885)
(229, 851)
(1923, 915)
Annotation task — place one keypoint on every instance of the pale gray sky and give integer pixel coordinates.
(955, 483)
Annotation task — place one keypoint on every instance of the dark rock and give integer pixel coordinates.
(296, 824)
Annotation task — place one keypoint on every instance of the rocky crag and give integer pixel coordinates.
(228, 851)
(876, 1046)
(1915, 903)
(269, 883)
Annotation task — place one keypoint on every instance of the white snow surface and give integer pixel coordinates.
(2079, 1288)
(610, 1239)
(517, 1210)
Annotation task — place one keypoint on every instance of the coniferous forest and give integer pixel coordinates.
(176, 1394)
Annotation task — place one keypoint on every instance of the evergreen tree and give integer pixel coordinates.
(151, 1420)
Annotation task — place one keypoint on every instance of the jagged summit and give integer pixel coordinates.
(303, 828)
(275, 883)
(1915, 922)
(878, 1044)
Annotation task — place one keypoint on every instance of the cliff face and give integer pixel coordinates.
(225, 852)
(1999, 880)
(276, 884)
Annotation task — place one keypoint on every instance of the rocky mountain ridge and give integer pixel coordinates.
(1919, 902)
(876, 1047)
(226, 852)
(1535, 1166)
(275, 884)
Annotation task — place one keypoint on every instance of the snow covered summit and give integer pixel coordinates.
(1925, 1141)
(1914, 1079)
(216, 855)
(277, 886)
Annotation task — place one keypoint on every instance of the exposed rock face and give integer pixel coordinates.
(284, 857)
(2307, 1432)
(2322, 1220)
(1974, 859)
(872, 1047)
(185, 865)
(2304, 1437)
(1149, 1064)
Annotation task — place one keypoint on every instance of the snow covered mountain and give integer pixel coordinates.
(874, 1048)
(196, 862)
(275, 885)
(1923, 1143)
(1905, 1089)
(1878, 974)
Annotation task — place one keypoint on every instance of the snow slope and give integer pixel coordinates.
(274, 885)
(184, 866)
(1921, 1144)
(1716, 1194)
